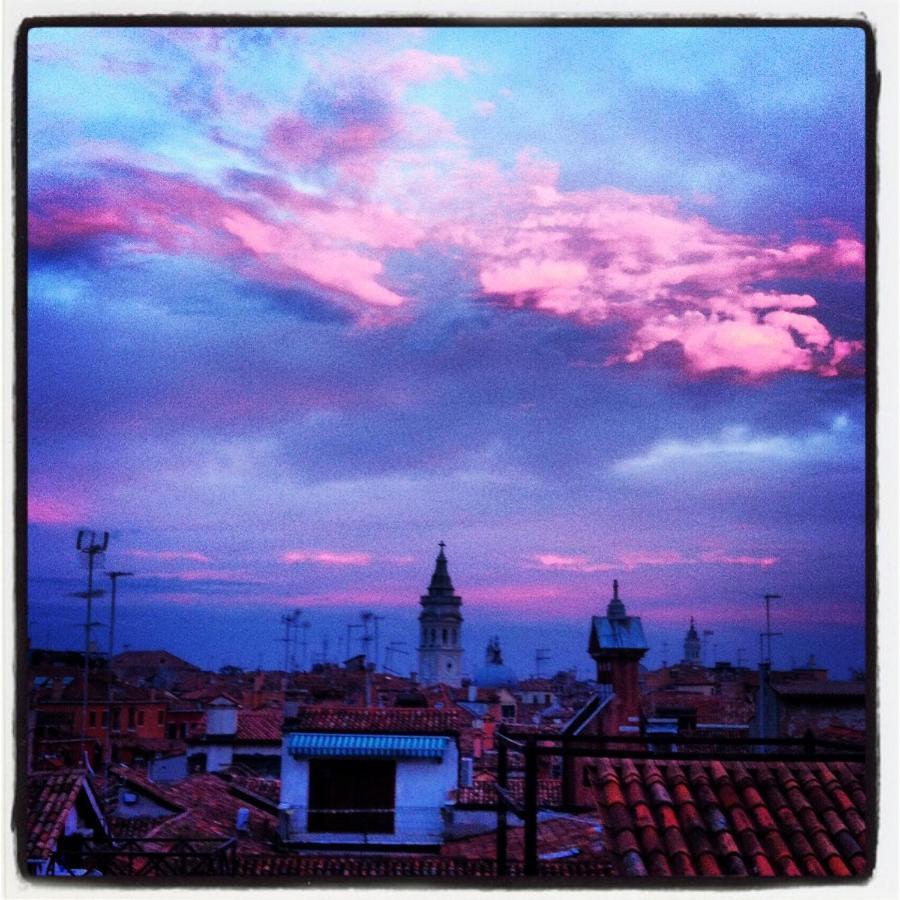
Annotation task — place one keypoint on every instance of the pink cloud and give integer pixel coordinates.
(631, 560)
(724, 559)
(336, 199)
(234, 575)
(46, 510)
(325, 558)
(711, 343)
(558, 562)
(166, 555)
(484, 108)
(415, 66)
(660, 558)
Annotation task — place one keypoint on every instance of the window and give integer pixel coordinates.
(92, 719)
(604, 673)
(171, 733)
(444, 636)
(159, 717)
(140, 717)
(352, 795)
(507, 711)
(131, 718)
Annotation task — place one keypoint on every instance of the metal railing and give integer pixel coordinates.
(158, 857)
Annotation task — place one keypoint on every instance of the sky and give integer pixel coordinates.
(584, 303)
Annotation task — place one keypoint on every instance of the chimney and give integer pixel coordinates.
(765, 719)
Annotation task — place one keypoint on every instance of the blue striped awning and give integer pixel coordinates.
(392, 746)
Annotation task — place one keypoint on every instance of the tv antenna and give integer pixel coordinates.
(92, 549)
(113, 579)
(541, 656)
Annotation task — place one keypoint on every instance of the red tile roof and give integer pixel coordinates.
(829, 689)
(353, 866)
(732, 818)
(259, 725)
(711, 818)
(151, 659)
(50, 798)
(485, 794)
(367, 719)
(204, 807)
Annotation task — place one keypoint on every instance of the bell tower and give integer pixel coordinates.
(440, 629)
(692, 646)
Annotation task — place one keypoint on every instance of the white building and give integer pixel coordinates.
(440, 629)
(235, 736)
(379, 777)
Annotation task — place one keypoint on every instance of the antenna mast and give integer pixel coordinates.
(769, 634)
(88, 544)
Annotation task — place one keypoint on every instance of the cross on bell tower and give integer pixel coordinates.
(440, 628)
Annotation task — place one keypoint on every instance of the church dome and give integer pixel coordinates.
(494, 673)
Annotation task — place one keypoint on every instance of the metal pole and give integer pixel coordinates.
(502, 812)
(769, 598)
(91, 549)
(531, 854)
(113, 578)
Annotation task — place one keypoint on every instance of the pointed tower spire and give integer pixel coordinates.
(616, 608)
(440, 581)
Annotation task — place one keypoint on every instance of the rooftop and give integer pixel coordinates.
(416, 720)
(50, 800)
(710, 819)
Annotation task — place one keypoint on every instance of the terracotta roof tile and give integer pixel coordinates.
(857, 826)
(716, 817)
(762, 867)
(763, 818)
(642, 815)
(667, 818)
(259, 725)
(715, 820)
(484, 793)
(369, 719)
(709, 868)
(50, 798)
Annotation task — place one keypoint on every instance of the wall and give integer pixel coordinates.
(168, 768)
(221, 720)
(796, 717)
(218, 756)
(422, 790)
(143, 807)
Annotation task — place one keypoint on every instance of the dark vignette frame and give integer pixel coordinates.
(20, 399)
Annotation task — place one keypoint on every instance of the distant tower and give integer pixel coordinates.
(440, 629)
(692, 646)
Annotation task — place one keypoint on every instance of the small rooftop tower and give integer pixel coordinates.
(617, 644)
(692, 646)
(440, 629)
